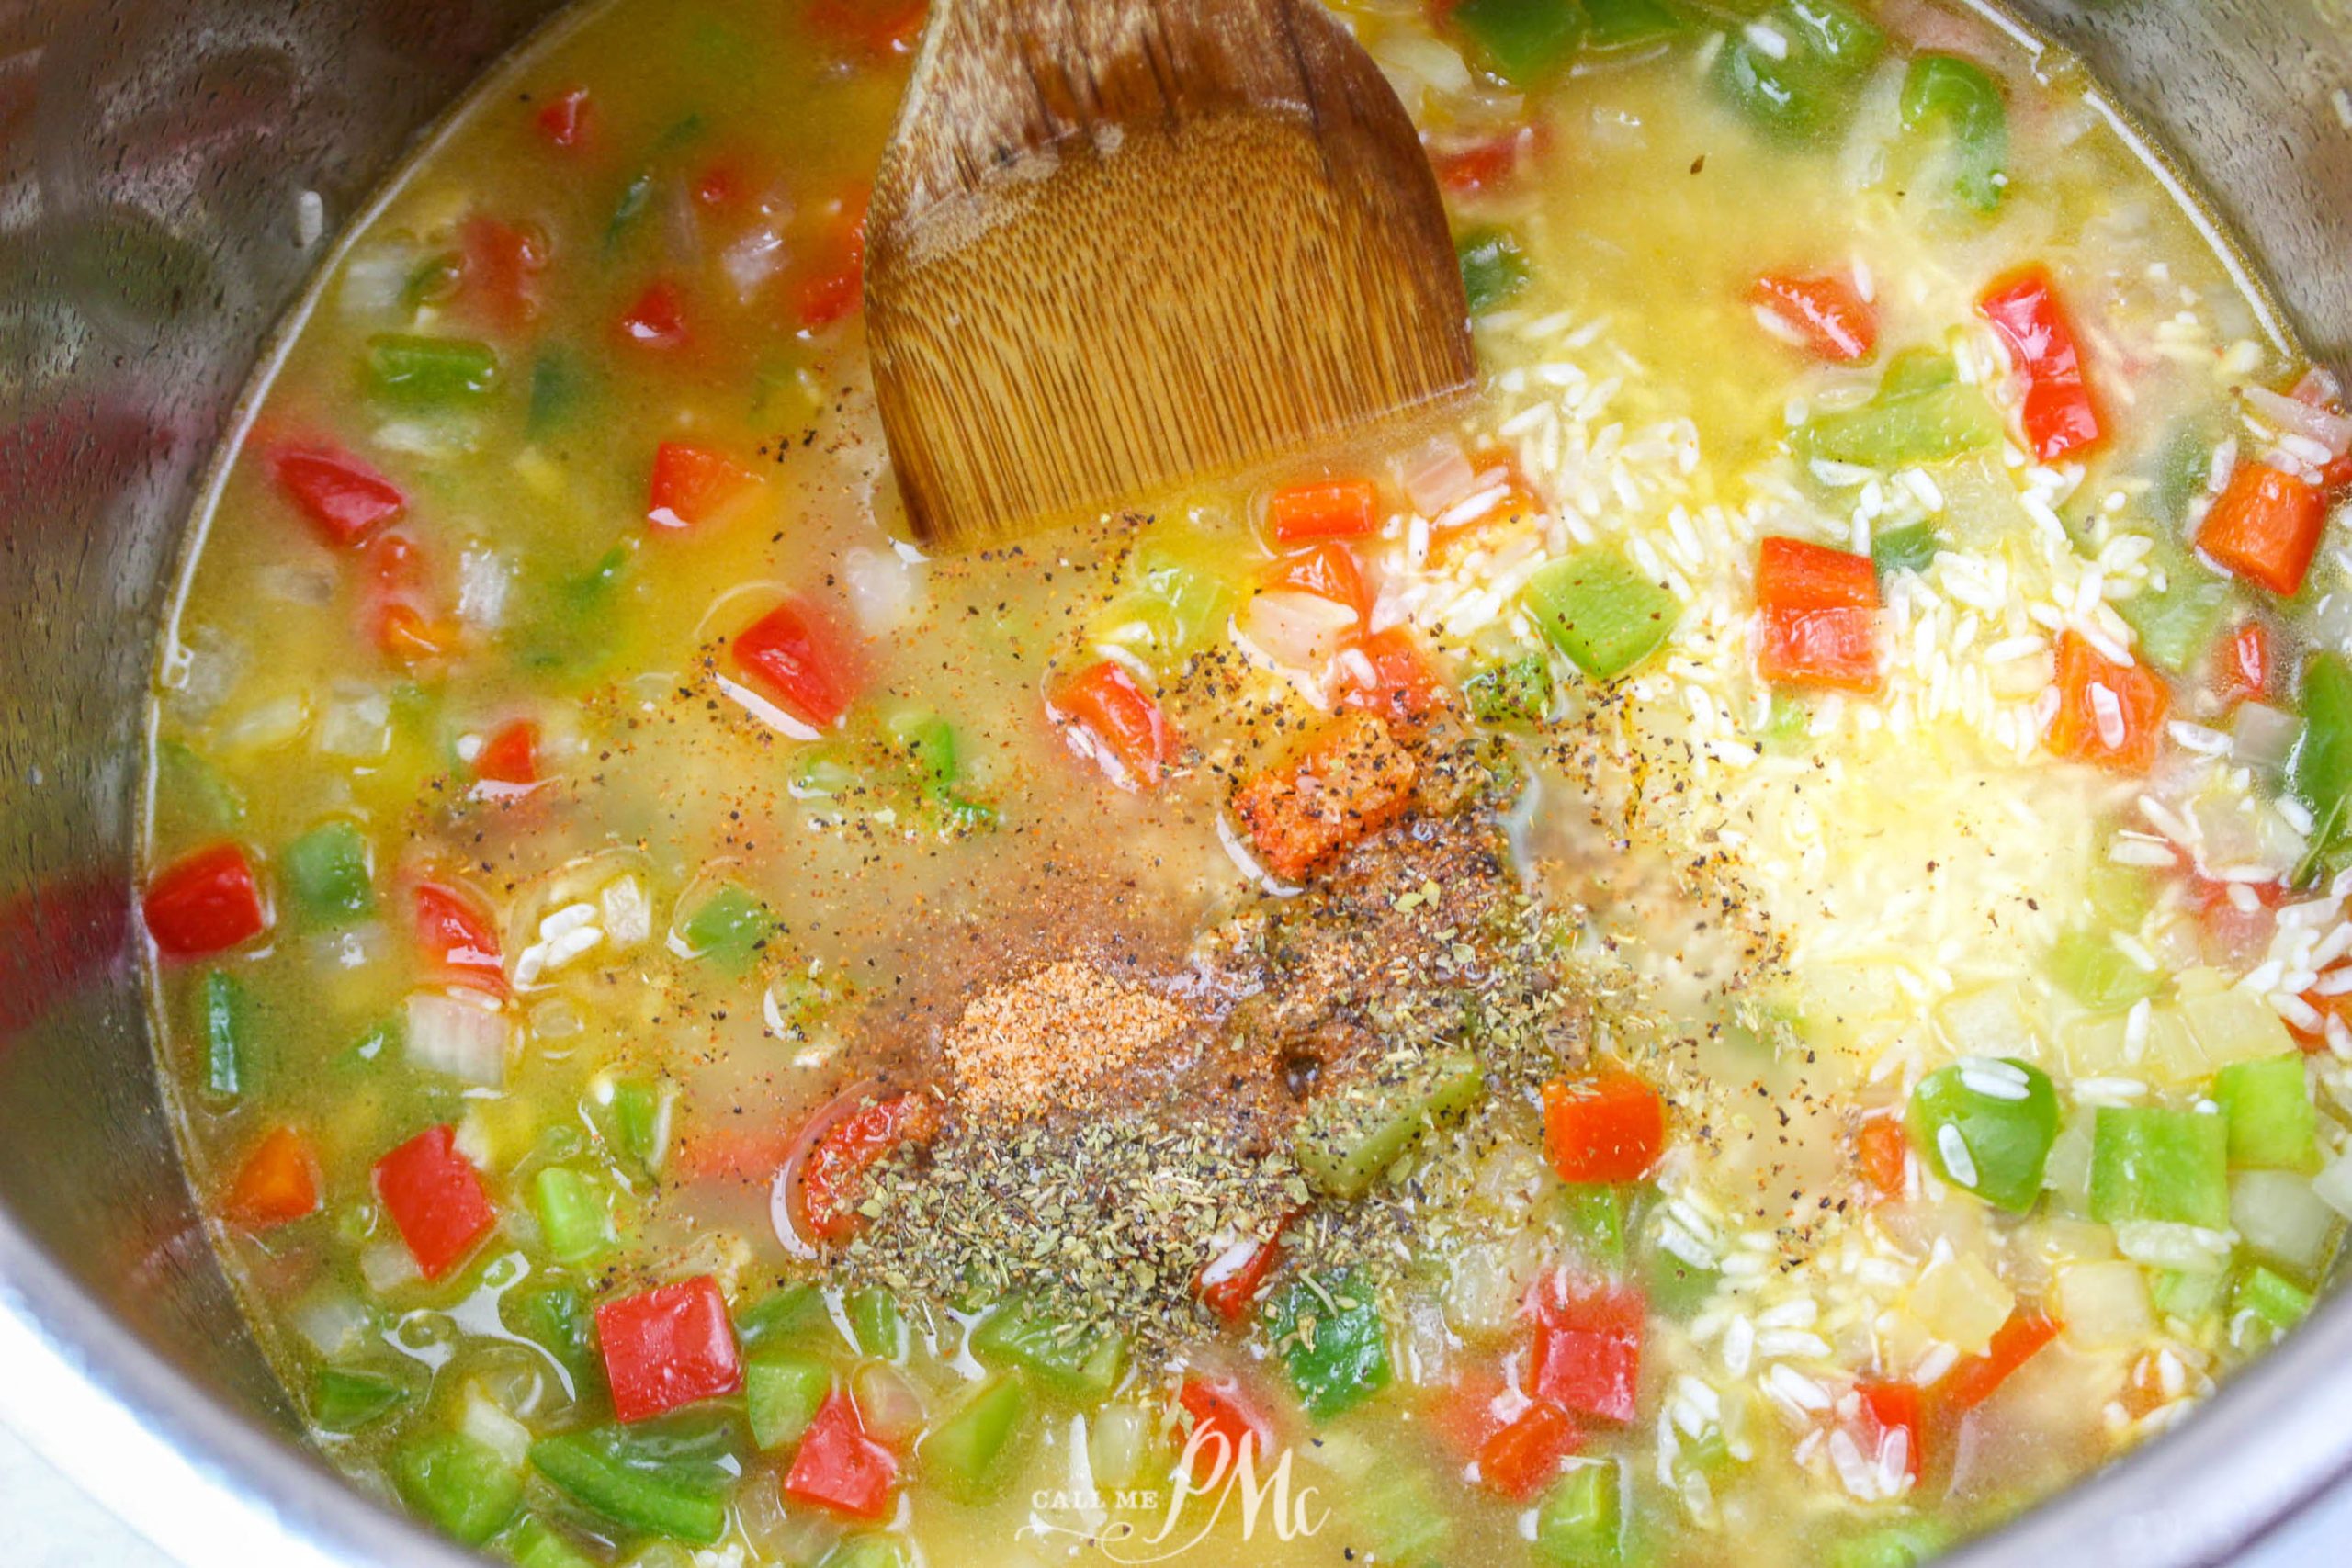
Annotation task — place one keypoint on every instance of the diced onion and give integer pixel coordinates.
(484, 579)
(486, 1424)
(331, 1322)
(387, 1265)
(883, 590)
(358, 723)
(891, 1406)
(2282, 1218)
(2261, 737)
(2289, 416)
(2158, 1244)
(1118, 1442)
(776, 1529)
(750, 261)
(1989, 1022)
(464, 1039)
(2332, 1185)
(1961, 1302)
(1438, 474)
(2103, 1305)
(1299, 631)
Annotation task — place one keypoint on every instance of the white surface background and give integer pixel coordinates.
(51, 1525)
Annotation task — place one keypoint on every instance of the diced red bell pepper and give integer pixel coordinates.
(2108, 713)
(277, 1183)
(838, 1467)
(2266, 527)
(1467, 1412)
(1514, 500)
(1329, 571)
(1229, 1282)
(830, 283)
(204, 902)
(436, 1200)
(879, 26)
(1328, 509)
(565, 120)
(457, 939)
(798, 657)
(1588, 1353)
(511, 755)
(1483, 166)
(2243, 665)
(668, 1347)
(693, 485)
(1517, 1462)
(502, 276)
(2060, 415)
(1826, 315)
(657, 318)
(342, 498)
(1603, 1126)
(1892, 1410)
(409, 638)
(1883, 1154)
(1403, 686)
(1226, 1422)
(1113, 723)
(406, 630)
(833, 1180)
(2015, 1343)
(1816, 616)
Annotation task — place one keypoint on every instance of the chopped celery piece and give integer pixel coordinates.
(1353, 1133)
(968, 1453)
(795, 1310)
(224, 1011)
(1081, 1367)
(1909, 548)
(1333, 1340)
(1594, 1219)
(2149, 1163)
(327, 870)
(1511, 691)
(2187, 1294)
(430, 372)
(2272, 1298)
(2177, 625)
(2095, 972)
(1522, 41)
(535, 1543)
(727, 928)
(649, 1480)
(344, 1399)
(1959, 101)
(1807, 89)
(1599, 609)
(1619, 24)
(1923, 413)
(575, 1213)
(1580, 1524)
(1177, 597)
(459, 1484)
(2272, 1123)
(2319, 772)
(1986, 1126)
(875, 1319)
(1397, 1515)
(1493, 266)
(781, 1393)
(1676, 1286)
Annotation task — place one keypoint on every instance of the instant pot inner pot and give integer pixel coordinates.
(173, 170)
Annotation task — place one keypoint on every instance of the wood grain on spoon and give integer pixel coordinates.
(1116, 244)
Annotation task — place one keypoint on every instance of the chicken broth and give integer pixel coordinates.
(1736, 957)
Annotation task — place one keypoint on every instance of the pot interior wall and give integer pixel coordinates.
(153, 156)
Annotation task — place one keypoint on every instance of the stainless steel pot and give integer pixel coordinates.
(154, 160)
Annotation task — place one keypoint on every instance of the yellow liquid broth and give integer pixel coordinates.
(1653, 212)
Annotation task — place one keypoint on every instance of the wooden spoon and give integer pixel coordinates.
(1116, 244)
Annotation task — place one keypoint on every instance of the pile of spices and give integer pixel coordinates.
(1054, 1040)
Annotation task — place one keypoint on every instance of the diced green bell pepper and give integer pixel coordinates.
(1910, 1544)
(784, 1315)
(575, 1214)
(459, 1484)
(1594, 1218)
(1080, 1367)
(929, 742)
(1511, 691)
(1493, 266)
(2150, 1163)
(224, 1012)
(2177, 625)
(1333, 1340)
(1352, 1134)
(968, 1454)
(1675, 1287)
(535, 1543)
(1622, 24)
(1400, 1518)
(637, 1121)
(1176, 598)
(557, 1319)
(192, 798)
(345, 1399)
(639, 1483)
(327, 870)
(2319, 772)
(1807, 91)
(781, 1393)
(430, 372)
(1912, 547)
(866, 1552)
(2090, 969)
(1599, 609)
(1923, 413)
(2000, 1129)
(1581, 1521)
(557, 385)
(569, 632)
(2267, 1104)
(2272, 1298)
(1958, 100)
(875, 1319)
(1522, 41)
(727, 928)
